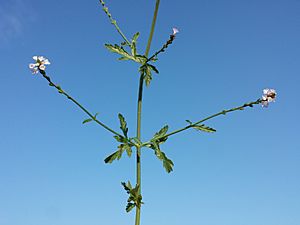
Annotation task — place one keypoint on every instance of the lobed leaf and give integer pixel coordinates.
(167, 163)
(123, 124)
(204, 128)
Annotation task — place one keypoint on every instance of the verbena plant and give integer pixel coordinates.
(127, 50)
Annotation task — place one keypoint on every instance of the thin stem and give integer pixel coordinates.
(223, 112)
(163, 48)
(152, 28)
(114, 22)
(78, 104)
(139, 114)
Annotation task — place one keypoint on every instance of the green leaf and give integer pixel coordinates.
(204, 128)
(133, 44)
(167, 163)
(153, 68)
(130, 206)
(119, 50)
(127, 186)
(116, 155)
(188, 121)
(123, 124)
(123, 58)
(161, 132)
(120, 139)
(87, 120)
(134, 199)
(135, 37)
(128, 150)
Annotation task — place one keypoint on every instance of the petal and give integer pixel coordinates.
(42, 67)
(41, 58)
(31, 65)
(35, 58)
(175, 31)
(265, 91)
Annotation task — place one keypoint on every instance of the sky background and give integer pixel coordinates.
(51, 165)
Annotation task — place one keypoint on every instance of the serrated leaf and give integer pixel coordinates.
(153, 68)
(87, 120)
(116, 155)
(133, 44)
(119, 50)
(128, 150)
(204, 128)
(167, 163)
(123, 124)
(127, 186)
(161, 132)
(130, 206)
(120, 139)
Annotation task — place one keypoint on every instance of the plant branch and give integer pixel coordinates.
(223, 112)
(61, 91)
(114, 22)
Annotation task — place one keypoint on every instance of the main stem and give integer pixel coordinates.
(139, 115)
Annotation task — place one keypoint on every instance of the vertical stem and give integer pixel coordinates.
(139, 115)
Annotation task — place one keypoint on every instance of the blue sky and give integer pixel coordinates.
(51, 166)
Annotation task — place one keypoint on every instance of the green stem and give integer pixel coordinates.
(223, 112)
(78, 104)
(114, 22)
(139, 114)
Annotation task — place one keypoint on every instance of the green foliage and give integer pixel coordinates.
(135, 198)
(90, 119)
(123, 124)
(167, 163)
(159, 138)
(201, 127)
(133, 44)
(118, 154)
(87, 120)
(146, 70)
(124, 54)
(204, 128)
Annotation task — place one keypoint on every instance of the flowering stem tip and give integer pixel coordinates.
(40, 62)
(269, 95)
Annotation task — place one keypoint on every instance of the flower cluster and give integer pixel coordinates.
(40, 62)
(269, 95)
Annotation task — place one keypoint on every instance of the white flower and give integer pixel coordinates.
(175, 31)
(40, 62)
(42, 67)
(269, 95)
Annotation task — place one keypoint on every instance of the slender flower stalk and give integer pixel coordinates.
(165, 46)
(61, 91)
(114, 22)
(223, 112)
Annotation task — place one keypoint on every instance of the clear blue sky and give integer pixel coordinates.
(51, 166)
